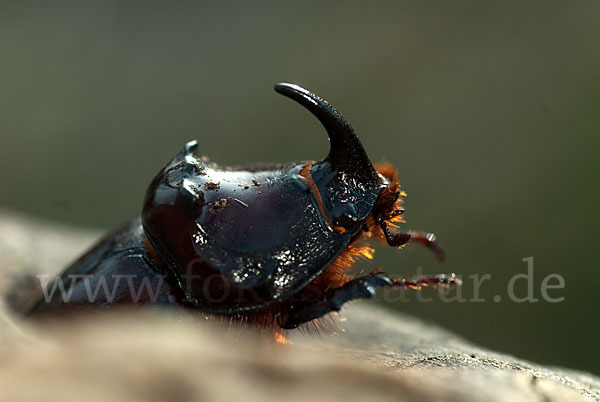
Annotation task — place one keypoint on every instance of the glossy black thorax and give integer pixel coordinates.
(239, 239)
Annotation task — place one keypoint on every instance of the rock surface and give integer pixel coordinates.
(160, 355)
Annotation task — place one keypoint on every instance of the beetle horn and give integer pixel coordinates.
(347, 153)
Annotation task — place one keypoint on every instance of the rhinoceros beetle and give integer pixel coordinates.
(270, 245)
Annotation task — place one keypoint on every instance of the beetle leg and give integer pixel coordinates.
(396, 212)
(361, 287)
(398, 239)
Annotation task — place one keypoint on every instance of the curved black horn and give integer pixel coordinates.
(347, 153)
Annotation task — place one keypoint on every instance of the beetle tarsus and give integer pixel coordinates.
(433, 280)
(399, 239)
(361, 287)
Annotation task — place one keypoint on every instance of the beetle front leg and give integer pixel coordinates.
(398, 239)
(361, 287)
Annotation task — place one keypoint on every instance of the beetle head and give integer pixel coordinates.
(347, 181)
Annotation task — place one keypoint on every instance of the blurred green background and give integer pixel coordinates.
(490, 111)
